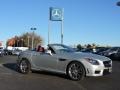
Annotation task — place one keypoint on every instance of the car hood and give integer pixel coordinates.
(81, 55)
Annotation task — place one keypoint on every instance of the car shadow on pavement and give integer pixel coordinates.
(14, 67)
(11, 66)
(51, 74)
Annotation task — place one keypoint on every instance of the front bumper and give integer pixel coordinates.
(104, 68)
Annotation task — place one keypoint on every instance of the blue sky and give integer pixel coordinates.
(85, 21)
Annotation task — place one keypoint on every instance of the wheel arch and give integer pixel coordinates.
(73, 62)
(26, 60)
(23, 58)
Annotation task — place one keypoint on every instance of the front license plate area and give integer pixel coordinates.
(107, 71)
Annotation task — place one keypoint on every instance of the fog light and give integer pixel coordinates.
(97, 72)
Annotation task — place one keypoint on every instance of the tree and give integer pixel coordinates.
(79, 47)
(94, 45)
(89, 46)
(25, 40)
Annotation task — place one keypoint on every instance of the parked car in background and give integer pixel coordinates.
(100, 50)
(1, 52)
(88, 50)
(110, 52)
(6, 52)
(115, 56)
(9, 52)
(16, 52)
(63, 59)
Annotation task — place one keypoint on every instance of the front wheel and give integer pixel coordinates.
(24, 67)
(76, 71)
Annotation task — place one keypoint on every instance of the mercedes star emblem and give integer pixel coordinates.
(56, 13)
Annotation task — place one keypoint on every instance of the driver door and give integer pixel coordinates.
(45, 61)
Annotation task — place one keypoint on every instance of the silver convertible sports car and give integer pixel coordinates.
(62, 59)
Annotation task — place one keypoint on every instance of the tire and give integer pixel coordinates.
(24, 67)
(76, 71)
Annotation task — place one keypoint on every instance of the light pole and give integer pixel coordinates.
(22, 42)
(1, 43)
(17, 43)
(28, 41)
(14, 43)
(33, 29)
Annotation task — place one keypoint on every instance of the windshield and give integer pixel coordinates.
(63, 48)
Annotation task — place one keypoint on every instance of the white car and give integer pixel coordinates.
(63, 59)
(1, 52)
(16, 52)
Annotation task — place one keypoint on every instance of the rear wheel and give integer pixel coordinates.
(24, 67)
(76, 71)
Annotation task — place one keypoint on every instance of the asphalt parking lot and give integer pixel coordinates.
(11, 79)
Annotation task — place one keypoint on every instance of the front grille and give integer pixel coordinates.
(107, 63)
(106, 71)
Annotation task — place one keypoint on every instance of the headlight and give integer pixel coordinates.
(92, 61)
